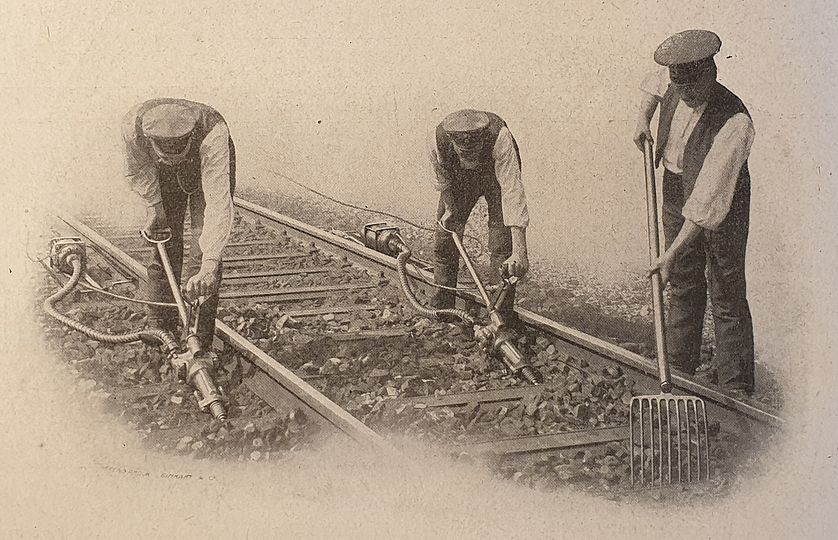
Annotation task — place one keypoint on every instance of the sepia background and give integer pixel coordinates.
(340, 96)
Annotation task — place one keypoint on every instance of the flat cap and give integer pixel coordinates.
(169, 121)
(687, 47)
(465, 121)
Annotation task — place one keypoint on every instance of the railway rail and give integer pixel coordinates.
(318, 318)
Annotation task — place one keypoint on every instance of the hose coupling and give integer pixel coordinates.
(383, 238)
(63, 249)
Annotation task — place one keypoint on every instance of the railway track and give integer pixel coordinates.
(317, 317)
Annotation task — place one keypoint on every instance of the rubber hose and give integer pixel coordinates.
(401, 262)
(152, 335)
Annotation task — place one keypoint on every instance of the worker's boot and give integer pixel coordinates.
(157, 290)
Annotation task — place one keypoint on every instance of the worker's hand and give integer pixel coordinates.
(205, 282)
(157, 225)
(641, 132)
(664, 265)
(447, 215)
(516, 265)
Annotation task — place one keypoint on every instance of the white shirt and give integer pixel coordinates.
(141, 173)
(715, 185)
(684, 120)
(507, 171)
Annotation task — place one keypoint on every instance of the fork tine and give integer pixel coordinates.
(660, 443)
(651, 444)
(678, 422)
(706, 439)
(668, 442)
(689, 442)
(697, 440)
(642, 445)
(689, 432)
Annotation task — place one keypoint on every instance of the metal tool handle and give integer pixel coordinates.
(506, 285)
(190, 328)
(170, 274)
(654, 253)
(459, 243)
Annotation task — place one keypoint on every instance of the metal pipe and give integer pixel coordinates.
(175, 286)
(469, 265)
(170, 274)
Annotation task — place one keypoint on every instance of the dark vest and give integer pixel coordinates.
(721, 106)
(450, 162)
(190, 170)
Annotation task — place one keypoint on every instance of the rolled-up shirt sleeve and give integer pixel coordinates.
(715, 185)
(441, 179)
(215, 179)
(656, 83)
(508, 172)
(140, 168)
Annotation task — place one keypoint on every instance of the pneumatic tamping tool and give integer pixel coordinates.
(496, 337)
(193, 365)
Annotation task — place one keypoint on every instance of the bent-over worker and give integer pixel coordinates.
(474, 155)
(179, 155)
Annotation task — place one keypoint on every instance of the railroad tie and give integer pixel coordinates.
(246, 259)
(294, 293)
(547, 441)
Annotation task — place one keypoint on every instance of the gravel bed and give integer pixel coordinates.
(112, 373)
(620, 314)
(369, 376)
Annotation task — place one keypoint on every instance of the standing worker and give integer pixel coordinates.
(179, 155)
(704, 139)
(474, 155)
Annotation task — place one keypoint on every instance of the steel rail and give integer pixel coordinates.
(596, 351)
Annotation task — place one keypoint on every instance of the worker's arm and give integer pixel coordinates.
(218, 213)
(710, 200)
(689, 231)
(141, 174)
(648, 105)
(715, 185)
(448, 200)
(514, 201)
(442, 182)
(652, 89)
(157, 224)
(518, 263)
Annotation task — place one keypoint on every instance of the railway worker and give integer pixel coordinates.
(704, 139)
(179, 155)
(474, 155)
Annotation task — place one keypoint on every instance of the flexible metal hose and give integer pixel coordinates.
(151, 335)
(401, 263)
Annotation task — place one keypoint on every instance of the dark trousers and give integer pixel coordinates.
(467, 189)
(175, 202)
(722, 253)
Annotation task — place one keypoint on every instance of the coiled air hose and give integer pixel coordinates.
(153, 336)
(401, 264)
